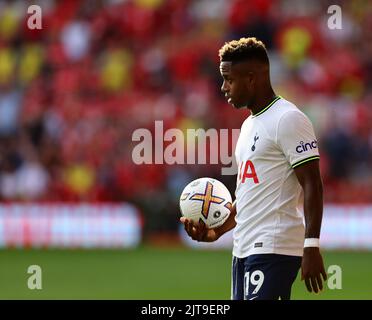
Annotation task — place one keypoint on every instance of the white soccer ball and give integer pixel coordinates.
(206, 199)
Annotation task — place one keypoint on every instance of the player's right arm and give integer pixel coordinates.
(199, 232)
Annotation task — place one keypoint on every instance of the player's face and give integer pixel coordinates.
(236, 88)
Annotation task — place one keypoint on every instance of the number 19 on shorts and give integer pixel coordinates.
(256, 278)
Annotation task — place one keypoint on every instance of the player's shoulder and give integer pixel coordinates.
(276, 111)
(288, 112)
(283, 117)
(285, 106)
(283, 112)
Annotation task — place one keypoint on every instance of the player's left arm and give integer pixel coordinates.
(312, 268)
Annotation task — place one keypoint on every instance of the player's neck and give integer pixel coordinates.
(263, 101)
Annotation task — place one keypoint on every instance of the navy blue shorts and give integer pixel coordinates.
(264, 276)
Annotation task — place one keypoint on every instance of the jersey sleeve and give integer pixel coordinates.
(296, 138)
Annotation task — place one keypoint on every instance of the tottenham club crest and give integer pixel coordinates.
(254, 143)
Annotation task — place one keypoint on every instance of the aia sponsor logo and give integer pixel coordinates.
(303, 147)
(247, 171)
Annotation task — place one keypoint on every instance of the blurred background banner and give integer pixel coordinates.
(343, 227)
(69, 226)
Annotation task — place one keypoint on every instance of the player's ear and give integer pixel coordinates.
(246, 70)
(250, 79)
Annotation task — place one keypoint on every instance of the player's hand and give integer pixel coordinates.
(199, 231)
(312, 269)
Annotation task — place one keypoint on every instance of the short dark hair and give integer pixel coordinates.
(244, 49)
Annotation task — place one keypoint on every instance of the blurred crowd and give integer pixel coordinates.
(72, 93)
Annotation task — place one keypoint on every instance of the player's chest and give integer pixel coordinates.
(254, 143)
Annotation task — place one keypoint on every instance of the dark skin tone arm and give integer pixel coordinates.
(312, 267)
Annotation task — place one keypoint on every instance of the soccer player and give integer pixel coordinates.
(278, 159)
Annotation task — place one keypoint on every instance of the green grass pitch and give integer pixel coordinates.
(154, 273)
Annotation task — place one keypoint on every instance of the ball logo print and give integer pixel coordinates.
(195, 183)
(206, 200)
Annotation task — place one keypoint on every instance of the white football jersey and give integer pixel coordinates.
(271, 144)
